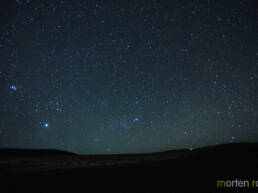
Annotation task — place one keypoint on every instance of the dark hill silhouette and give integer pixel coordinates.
(170, 171)
(12, 152)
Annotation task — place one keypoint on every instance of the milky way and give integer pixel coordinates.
(100, 77)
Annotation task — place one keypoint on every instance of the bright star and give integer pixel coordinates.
(13, 87)
(135, 120)
(46, 125)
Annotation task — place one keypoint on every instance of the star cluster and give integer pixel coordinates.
(100, 77)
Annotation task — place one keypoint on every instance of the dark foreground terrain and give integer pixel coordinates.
(170, 171)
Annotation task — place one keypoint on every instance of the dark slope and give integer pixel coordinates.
(11, 152)
(192, 171)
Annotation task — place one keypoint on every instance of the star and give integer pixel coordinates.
(46, 125)
(14, 88)
(136, 119)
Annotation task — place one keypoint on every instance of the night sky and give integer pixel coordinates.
(107, 76)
